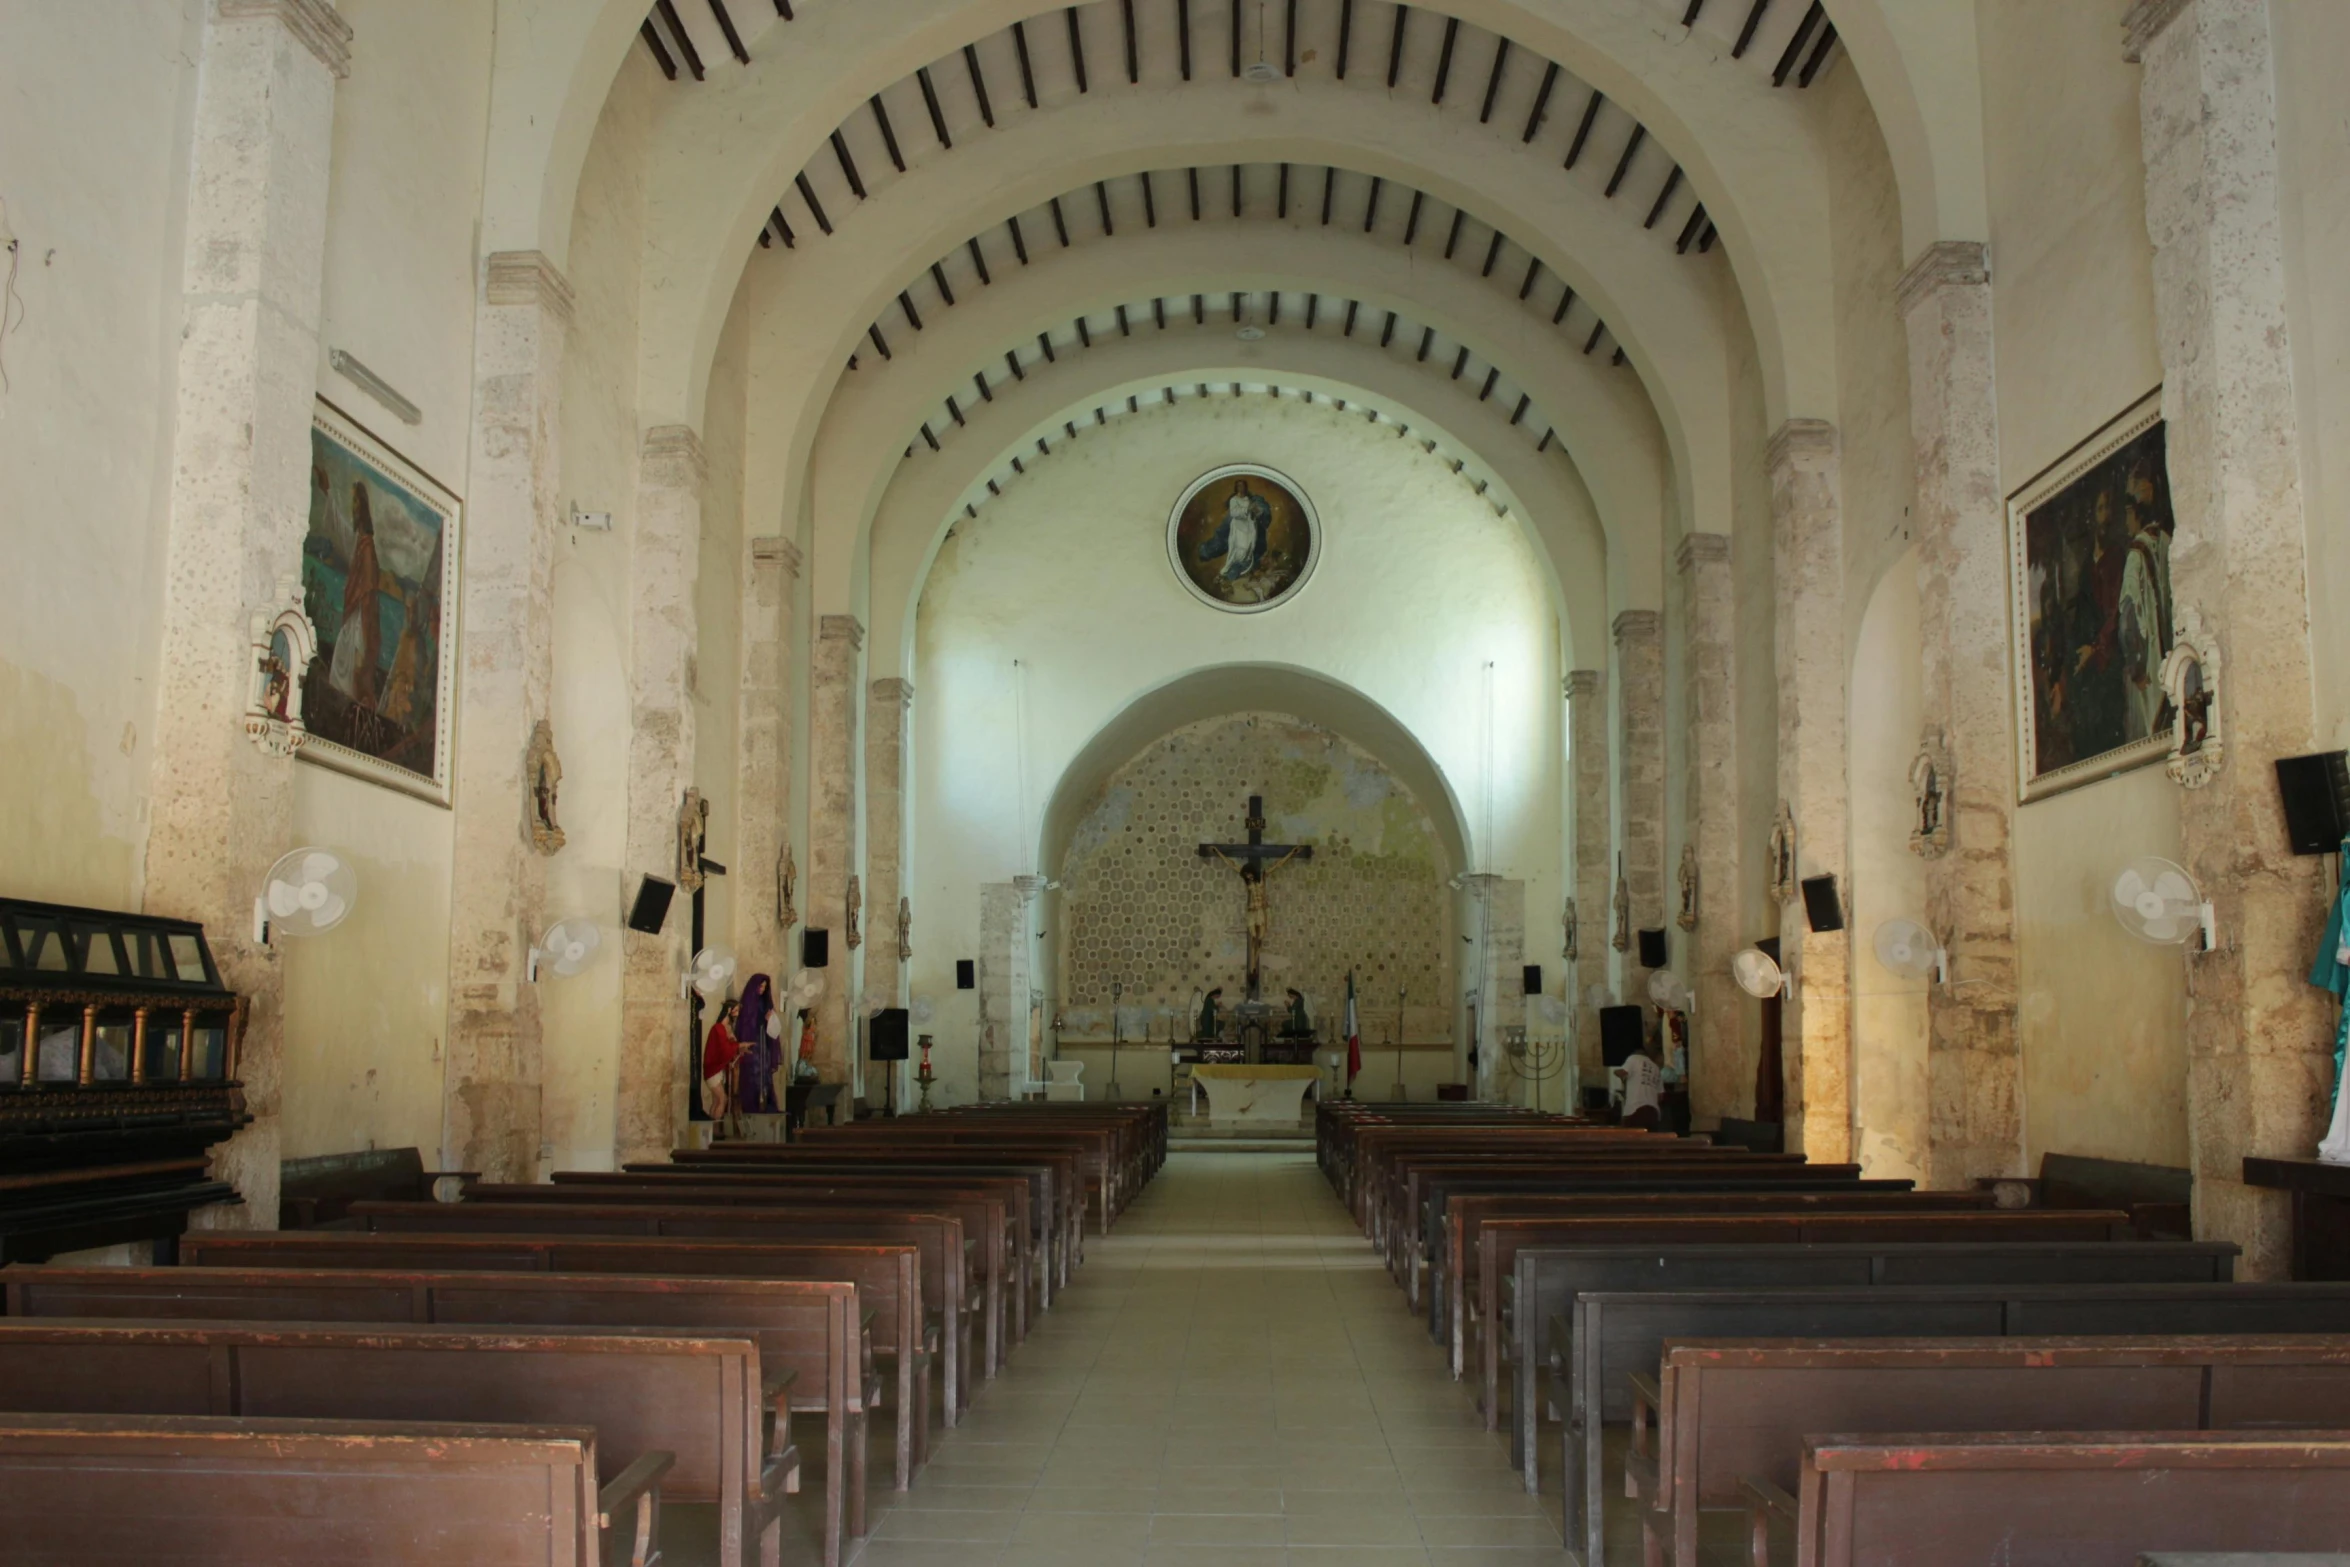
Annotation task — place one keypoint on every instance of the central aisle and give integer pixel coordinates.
(1231, 1381)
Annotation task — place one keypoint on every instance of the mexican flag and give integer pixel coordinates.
(1354, 1033)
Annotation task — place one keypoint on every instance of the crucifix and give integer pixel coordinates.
(1256, 859)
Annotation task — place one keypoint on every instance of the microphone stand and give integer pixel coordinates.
(1117, 989)
(1398, 1092)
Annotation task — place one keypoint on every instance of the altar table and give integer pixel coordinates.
(1244, 1094)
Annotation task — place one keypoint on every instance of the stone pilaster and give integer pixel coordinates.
(886, 702)
(1587, 742)
(832, 828)
(1007, 972)
(240, 493)
(1640, 790)
(1721, 1074)
(1500, 981)
(2259, 1044)
(1974, 1063)
(497, 895)
(1807, 542)
(771, 565)
(664, 565)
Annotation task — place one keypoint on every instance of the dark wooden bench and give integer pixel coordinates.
(699, 1398)
(1544, 1281)
(201, 1491)
(2079, 1499)
(1730, 1416)
(807, 1331)
(1109, 1178)
(2158, 1198)
(1613, 1337)
(321, 1190)
(888, 1277)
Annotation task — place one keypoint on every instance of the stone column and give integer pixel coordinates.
(1807, 542)
(497, 895)
(1594, 861)
(832, 828)
(763, 791)
(1974, 1064)
(1501, 983)
(1721, 1075)
(664, 565)
(1640, 691)
(240, 498)
(1006, 974)
(2259, 1044)
(886, 702)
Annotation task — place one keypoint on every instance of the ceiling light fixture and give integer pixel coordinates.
(1261, 70)
(1250, 334)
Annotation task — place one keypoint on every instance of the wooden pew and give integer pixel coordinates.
(1543, 1282)
(810, 1332)
(1108, 1172)
(699, 1398)
(76, 1489)
(2071, 1499)
(946, 1255)
(1730, 1415)
(888, 1280)
(1614, 1337)
(1402, 1202)
(320, 1190)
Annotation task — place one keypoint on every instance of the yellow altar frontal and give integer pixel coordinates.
(1242, 1095)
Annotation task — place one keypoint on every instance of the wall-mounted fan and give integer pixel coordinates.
(711, 971)
(1666, 989)
(2157, 901)
(568, 947)
(306, 893)
(1757, 973)
(1909, 949)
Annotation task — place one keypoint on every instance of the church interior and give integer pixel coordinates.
(1175, 729)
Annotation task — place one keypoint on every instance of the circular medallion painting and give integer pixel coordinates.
(1243, 538)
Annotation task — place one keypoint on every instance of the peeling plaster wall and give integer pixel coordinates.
(1419, 585)
(718, 606)
(2102, 1017)
(1888, 881)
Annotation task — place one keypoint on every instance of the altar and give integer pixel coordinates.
(1241, 1094)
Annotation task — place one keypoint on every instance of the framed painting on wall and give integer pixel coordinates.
(2090, 606)
(379, 573)
(1243, 538)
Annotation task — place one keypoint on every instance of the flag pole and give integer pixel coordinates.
(1400, 1093)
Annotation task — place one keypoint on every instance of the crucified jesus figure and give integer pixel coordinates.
(1256, 859)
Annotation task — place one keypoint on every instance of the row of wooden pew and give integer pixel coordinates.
(412, 1381)
(1836, 1371)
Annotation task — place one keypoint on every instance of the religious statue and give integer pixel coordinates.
(693, 835)
(1782, 856)
(1687, 917)
(721, 1051)
(1571, 931)
(905, 929)
(1211, 1026)
(804, 1069)
(856, 906)
(284, 645)
(542, 772)
(787, 881)
(758, 1032)
(1929, 783)
(1257, 859)
(2190, 684)
(1299, 1024)
(1622, 940)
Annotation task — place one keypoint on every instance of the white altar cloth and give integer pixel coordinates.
(1242, 1095)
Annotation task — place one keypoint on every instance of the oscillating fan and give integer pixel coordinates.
(1757, 973)
(568, 947)
(306, 893)
(1666, 990)
(711, 971)
(2156, 901)
(1910, 950)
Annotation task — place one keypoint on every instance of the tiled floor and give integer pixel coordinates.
(1232, 1380)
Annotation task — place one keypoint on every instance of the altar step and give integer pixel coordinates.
(1187, 1135)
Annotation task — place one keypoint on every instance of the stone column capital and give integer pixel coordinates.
(1585, 683)
(2144, 22)
(672, 457)
(773, 549)
(1636, 623)
(891, 688)
(526, 277)
(1028, 886)
(1702, 549)
(841, 628)
(316, 26)
(1947, 263)
(1809, 442)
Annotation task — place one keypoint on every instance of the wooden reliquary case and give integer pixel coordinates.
(118, 1072)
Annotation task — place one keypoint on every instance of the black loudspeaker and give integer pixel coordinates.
(966, 974)
(1532, 983)
(1821, 907)
(2317, 800)
(1652, 949)
(651, 909)
(815, 948)
(1622, 1031)
(885, 1036)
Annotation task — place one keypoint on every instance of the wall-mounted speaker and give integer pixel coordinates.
(815, 948)
(2317, 800)
(1652, 949)
(966, 974)
(885, 1036)
(650, 911)
(1821, 907)
(1532, 983)
(1621, 1033)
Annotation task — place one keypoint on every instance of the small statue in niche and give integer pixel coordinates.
(1210, 1026)
(856, 906)
(1929, 782)
(693, 835)
(905, 929)
(1782, 856)
(284, 643)
(1571, 932)
(787, 882)
(2190, 684)
(1300, 1023)
(1687, 917)
(1622, 940)
(542, 772)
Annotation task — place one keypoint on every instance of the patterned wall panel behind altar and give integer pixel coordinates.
(1143, 909)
